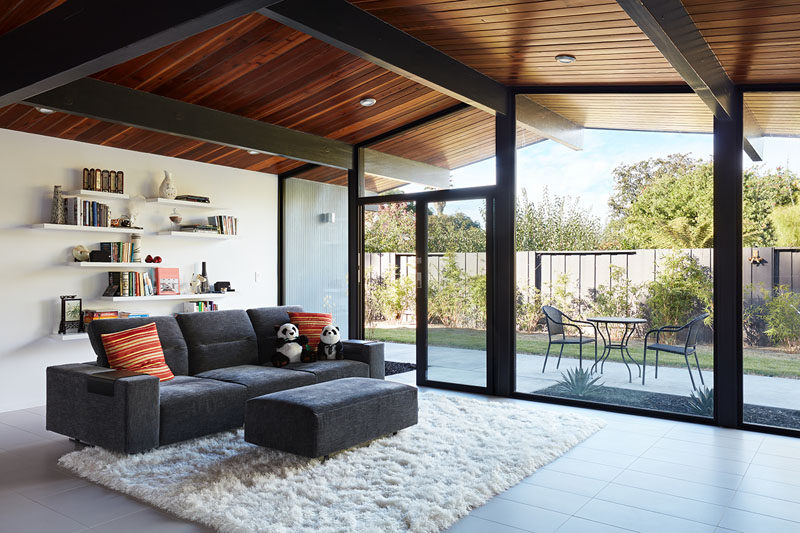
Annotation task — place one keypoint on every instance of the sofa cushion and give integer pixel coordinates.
(311, 325)
(264, 320)
(330, 370)
(169, 334)
(218, 339)
(137, 349)
(191, 407)
(260, 379)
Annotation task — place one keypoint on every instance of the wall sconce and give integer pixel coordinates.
(328, 217)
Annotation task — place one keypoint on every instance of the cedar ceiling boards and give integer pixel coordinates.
(778, 113)
(515, 41)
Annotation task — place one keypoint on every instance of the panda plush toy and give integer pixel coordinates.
(291, 347)
(330, 344)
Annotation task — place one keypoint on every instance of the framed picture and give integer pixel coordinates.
(168, 281)
(71, 310)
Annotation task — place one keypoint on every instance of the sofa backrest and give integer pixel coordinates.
(170, 335)
(264, 320)
(219, 339)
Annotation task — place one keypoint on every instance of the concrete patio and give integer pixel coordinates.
(468, 367)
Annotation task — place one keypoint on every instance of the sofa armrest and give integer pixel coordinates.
(116, 410)
(369, 352)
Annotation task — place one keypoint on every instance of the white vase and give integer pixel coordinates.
(168, 189)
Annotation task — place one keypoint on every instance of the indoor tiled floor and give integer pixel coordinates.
(636, 474)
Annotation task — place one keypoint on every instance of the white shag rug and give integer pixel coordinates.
(462, 452)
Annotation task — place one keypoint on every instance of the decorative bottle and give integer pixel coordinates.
(204, 273)
(168, 189)
(57, 214)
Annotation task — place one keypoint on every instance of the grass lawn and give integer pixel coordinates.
(758, 361)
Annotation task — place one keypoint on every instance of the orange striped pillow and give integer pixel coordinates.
(311, 324)
(137, 349)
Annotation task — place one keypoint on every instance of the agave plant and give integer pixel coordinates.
(701, 402)
(580, 383)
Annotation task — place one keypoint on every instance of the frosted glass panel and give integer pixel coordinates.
(315, 248)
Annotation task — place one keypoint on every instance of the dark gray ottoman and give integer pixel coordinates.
(323, 418)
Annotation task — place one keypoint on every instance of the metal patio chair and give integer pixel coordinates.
(556, 322)
(686, 349)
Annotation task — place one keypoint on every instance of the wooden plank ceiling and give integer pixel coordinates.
(515, 41)
(778, 114)
(756, 41)
(642, 112)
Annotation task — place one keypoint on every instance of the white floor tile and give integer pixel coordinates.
(545, 497)
(748, 522)
(521, 516)
(649, 500)
(627, 517)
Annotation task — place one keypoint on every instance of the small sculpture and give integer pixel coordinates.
(80, 253)
(197, 283)
(175, 217)
(168, 189)
(57, 214)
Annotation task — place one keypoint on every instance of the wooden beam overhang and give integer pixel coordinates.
(130, 107)
(670, 28)
(81, 37)
(542, 121)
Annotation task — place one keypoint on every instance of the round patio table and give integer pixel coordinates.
(603, 322)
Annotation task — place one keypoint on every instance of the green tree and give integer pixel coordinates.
(555, 223)
(682, 289)
(392, 228)
(455, 233)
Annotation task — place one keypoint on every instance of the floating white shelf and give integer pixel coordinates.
(91, 229)
(166, 297)
(98, 194)
(118, 266)
(184, 203)
(197, 234)
(69, 336)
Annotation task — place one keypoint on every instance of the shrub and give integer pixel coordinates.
(682, 289)
(787, 224)
(561, 297)
(618, 297)
(754, 325)
(529, 308)
(578, 382)
(783, 317)
(701, 401)
(457, 299)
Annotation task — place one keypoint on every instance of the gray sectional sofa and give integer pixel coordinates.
(220, 360)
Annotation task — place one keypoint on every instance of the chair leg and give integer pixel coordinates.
(546, 356)
(559, 356)
(644, 363)
(690, 371)
(656, 364)
(698, 368)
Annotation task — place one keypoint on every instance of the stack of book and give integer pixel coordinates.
(199, 228)
(199, 307)
(85, 213)
(89, 315)
(131, 283)
(193, 198)
(95, 179)
(120, 252)
(226, 225)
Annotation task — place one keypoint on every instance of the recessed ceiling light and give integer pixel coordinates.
(565, 58)
(45, 110)
(253, 152)
(366, 102)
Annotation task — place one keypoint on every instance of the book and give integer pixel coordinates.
(126, 314)
(193, 198)
(168, 281)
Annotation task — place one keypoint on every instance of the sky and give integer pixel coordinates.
(587, 174)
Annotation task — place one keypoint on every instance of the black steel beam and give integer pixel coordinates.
(728, 265)
(504, 267)
(345, 26)
(297, 171)
(424, 121)
(391, 166)
(112, 103)
(81, 37)
(670, 28)
(355, 245)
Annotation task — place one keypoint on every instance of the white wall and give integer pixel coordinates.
(34, 269)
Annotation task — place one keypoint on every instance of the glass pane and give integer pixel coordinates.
(457, 292)
(771, 268)
(390, 294)
(315, 222)
(614, 241)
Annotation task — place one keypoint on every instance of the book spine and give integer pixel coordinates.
(123, 286)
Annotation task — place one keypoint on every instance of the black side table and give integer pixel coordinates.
(609, 344)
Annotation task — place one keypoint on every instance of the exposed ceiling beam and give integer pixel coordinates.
(670, 28)
(546, 123)
(120, 105)
(349, 28)
(753, 135)
(385, 165)
(81, 37)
